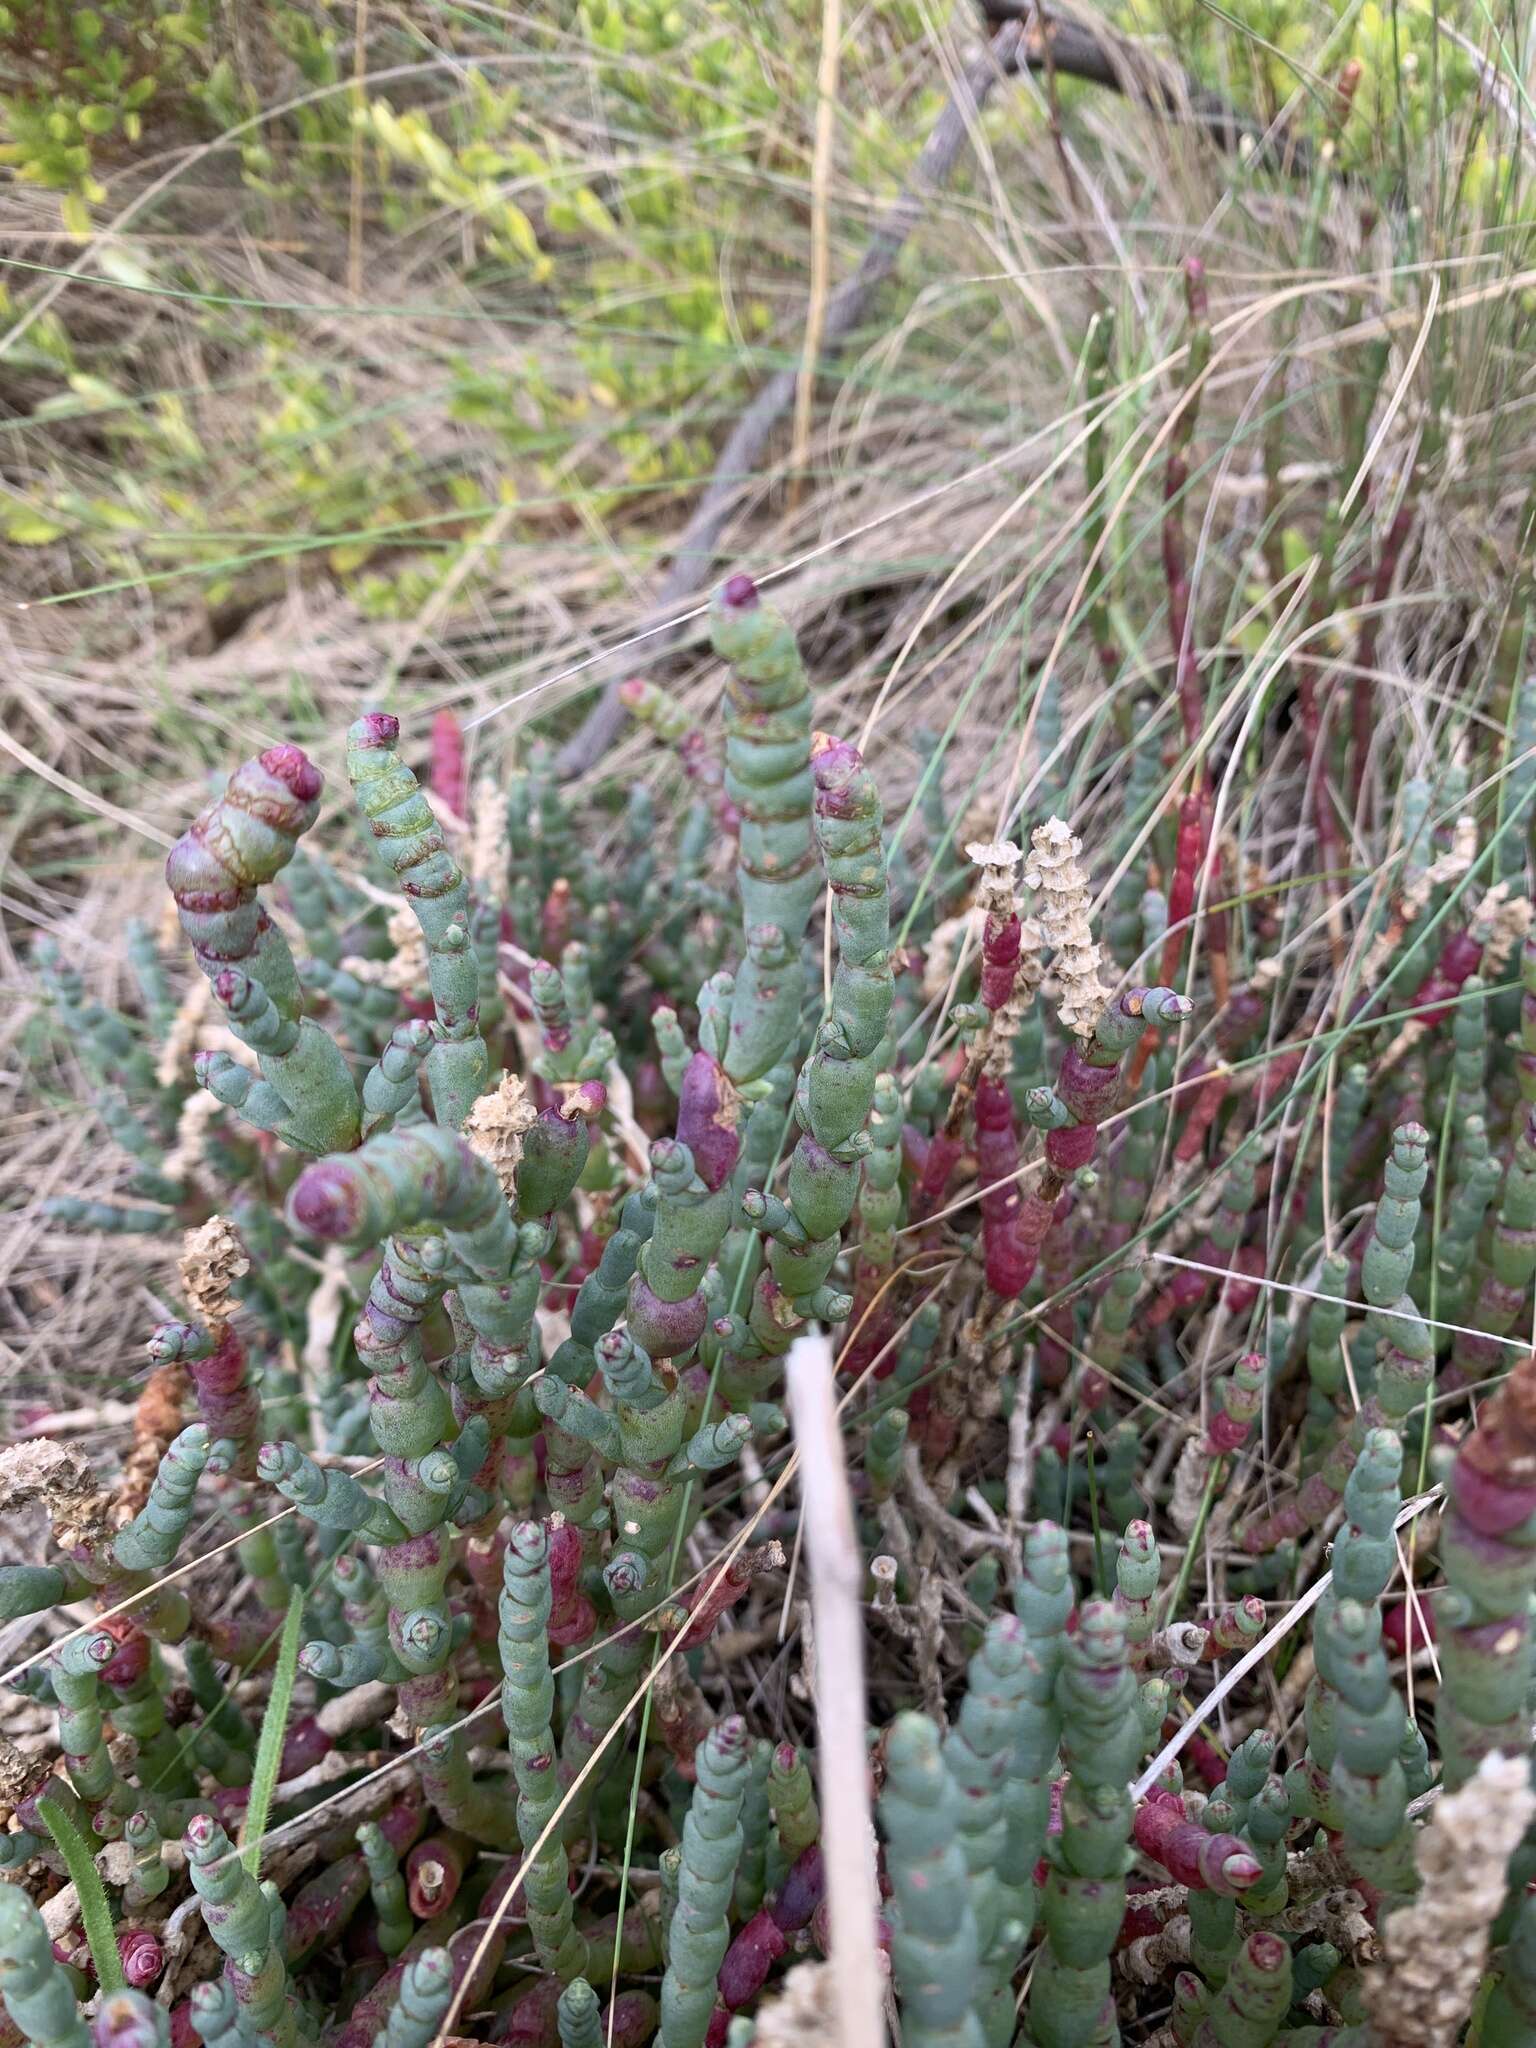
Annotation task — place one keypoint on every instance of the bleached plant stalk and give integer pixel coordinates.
(832, 1551)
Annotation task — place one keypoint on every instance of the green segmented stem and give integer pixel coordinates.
(239, 842)
(330, 1499)
(1508, 2019)
(214, 871)
(426, 1990)
(74, 1668)
(1488, 1553)
(214, 2014)
(298, 1060)
(128, 2019)
(1365, 1555)
(756, 1833)
(368, 1010)
(1138, 1565)
(527, 1704)
(411, 842)
(1405, 1373)
(30, 1588)
(1476, 1353)
(1214, 1938)
(236, 1911)
(1326, 1317)
(1043, 1597)
(111, 1219)
(1406, 1367)
(1248, 2010)
(1026, 1817)
(150, 1876)
(884, 1451)
(256, 1100)
(575, 1047)
(835, 1091)
(666, 1304)
(578, 2016)
(712, 1844)
(1070, 2003)
(935, 1948)
(980, 1755)
(768, 992)
(390, 1085)
(1113, 1318)
(427, 1176)
(386, 1888)
(1367, 1783)
(767, 778)
(1479, 1175)
(792, 1802)
(402, 1178)
(1266, 1820)
(150, 1541)
(311, 904)
(34, 1986)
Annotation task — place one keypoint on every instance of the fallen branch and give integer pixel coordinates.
(1074, 49)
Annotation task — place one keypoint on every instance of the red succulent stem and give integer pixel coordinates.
(1210, 1863)
(997, 1164)
(447, 773)
(1214, 1085)
(1189, 846)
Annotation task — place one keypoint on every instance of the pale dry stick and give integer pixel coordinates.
(821, 268)
(842, 1761)
(1187, 1730)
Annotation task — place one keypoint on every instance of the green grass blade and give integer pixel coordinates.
(95, 1913)
(274, 1732)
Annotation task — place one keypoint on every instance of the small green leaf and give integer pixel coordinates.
(274, 1732)
(95, 1913)
(31, 529)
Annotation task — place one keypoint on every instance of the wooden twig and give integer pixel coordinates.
(842, 1759)
(1066, 48)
